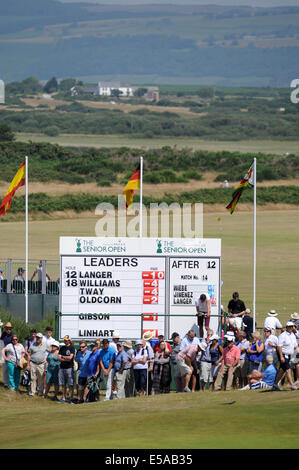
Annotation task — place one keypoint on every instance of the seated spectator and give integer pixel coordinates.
(242, 371)
(53, 370)
(140, 366)
(120, 371)
(231, 360)
(185, 358)
(107, 357)
(178, 378)
(157, 345)
(190, 339)
(12, 354)
(263, 379)
(161, 370)
(255, 352)
(236, 307)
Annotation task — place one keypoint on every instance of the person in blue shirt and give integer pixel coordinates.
(107, 357)
(263, 379)
(94, 368)
(83, 366)
(121, 360)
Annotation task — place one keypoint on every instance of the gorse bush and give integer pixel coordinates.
(22, 329)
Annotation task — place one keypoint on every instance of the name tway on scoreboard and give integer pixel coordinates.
(107, 283)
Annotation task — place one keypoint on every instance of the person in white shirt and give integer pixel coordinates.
(48, 340)
(115, 340)
(203, 312)
(272, 322)
(287, 344)
(270, 344)
(190, 339)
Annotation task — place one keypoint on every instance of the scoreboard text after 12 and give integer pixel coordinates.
(132, 285)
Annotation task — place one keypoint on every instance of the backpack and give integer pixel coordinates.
(93, 389)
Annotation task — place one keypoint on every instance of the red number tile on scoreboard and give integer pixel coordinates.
(153, 274)
(150, 299)
(151, 283)
(150, 317)
(151, 291)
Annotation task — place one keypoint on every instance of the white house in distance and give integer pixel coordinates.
(2, 92)
(105, 88)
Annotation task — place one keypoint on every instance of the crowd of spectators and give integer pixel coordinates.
(240, 359)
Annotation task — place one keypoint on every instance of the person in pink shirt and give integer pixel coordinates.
(184, 361)
(230, 362)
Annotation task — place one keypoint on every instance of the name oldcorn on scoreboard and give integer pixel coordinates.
(107, 283)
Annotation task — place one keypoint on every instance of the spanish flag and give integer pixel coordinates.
(246, 182)
(17, 182)
(132, 184)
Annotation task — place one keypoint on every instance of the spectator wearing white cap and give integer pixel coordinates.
(36, 363)
(216, 352)
(287, 344)
(231, 360)
(272, 322)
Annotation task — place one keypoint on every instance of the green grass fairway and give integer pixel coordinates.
(277, 252)
(257, 419)
(81, 140)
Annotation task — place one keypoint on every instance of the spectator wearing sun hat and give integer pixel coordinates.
(295, 319)
(146, 337)
(231, 360)
(115, 340)
(272, 322)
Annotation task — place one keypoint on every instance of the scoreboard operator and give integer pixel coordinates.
(203, 312)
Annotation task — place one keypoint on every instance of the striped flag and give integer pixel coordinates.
(132, 184)
(17, 182)
(246, 182)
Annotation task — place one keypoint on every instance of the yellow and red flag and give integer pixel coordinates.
(247, 181)
(17, 182)
(132, 184)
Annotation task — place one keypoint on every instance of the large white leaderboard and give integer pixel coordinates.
(107, 283)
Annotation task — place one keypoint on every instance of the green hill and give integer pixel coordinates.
(199, 43)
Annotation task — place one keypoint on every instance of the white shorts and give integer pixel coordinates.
(206, 372)
(183, 367)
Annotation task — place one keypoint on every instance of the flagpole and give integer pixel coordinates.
(26, 239)
(254, 241)
(140, 206)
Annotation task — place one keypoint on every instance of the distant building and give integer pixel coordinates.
(106, 88)
(81, 90)
(2, 92)
(152, 93)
